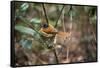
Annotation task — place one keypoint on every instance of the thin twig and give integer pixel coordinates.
(63, 21)
(59, 16)
(67, 53)
(45, 13)
(70, 11)
(54, 50)
(71, 18)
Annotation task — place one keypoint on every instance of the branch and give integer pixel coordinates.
(45, 13)
(54, 51)
(63, 23)
(59, 16)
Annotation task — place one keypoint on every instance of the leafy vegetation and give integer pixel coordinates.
(77, 42)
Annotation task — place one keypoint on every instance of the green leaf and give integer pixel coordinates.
(25, 30)
(35, 21)
(24, 7)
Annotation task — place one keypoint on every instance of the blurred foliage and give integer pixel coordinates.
(24, 7)
(25, 30)
(31, 48)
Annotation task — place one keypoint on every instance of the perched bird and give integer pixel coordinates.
(48, 30)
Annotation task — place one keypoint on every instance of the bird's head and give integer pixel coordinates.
(45, 25)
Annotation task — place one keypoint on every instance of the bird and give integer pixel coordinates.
(48, 30)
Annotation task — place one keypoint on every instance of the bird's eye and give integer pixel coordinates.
(45, 25)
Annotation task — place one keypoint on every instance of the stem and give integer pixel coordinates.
(67, 53)
(63, 21)
(45, 13)
(59, 15)
(71, 18)
(56, 58)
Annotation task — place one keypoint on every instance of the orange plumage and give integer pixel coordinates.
(48, 30)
